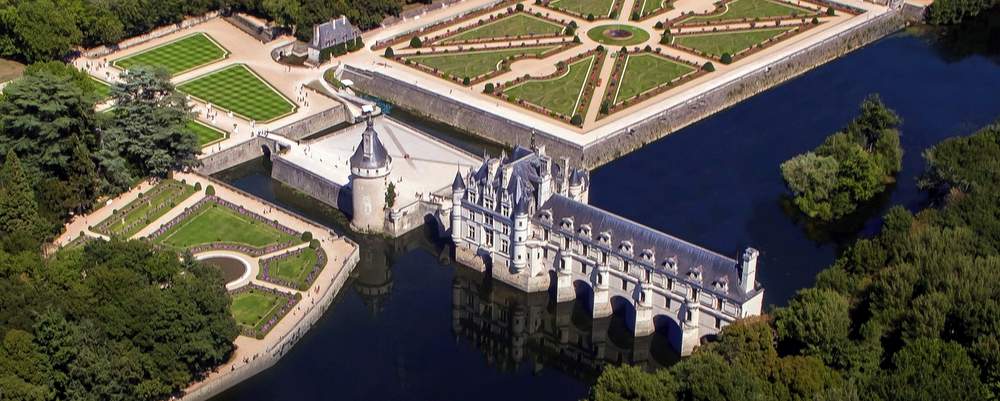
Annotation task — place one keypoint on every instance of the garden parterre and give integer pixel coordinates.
(178, 56)
(295, 269)
(646, 71)
(560, 94)
(238, 89)
(519, 24)
(206, 135)
(477, 63)
(216, 224)
(732, 42)
(257, 309)
(142, 211)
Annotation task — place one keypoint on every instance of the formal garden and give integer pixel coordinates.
(145, 209)
(470, 67)
(588, 9)
(644, 9)
(296, 269)
(618, 35)
(727, 46)
(216, 224)
(565, 94)
(257, 309)
(737, 10)
(517, 25)
(643, 74)
(238, 89)
(178, 56)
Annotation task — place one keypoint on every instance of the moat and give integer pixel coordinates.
(415, 325)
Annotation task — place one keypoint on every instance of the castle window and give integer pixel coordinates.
(489, 239)
(505, 229)
(648, 276)
(488, 220)
(505, 210)
(583, 268)
(624, 285)
(504, 246)
(667, 302)
(604, 257)
(471, 233)
(625, 266)
(718, 323)
(566, 242)
(670, 284)
(586, 250)
(718, 303)
(488, 203)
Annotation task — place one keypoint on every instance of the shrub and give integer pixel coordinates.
(604, 107)
(830, 11)
(466, 81)
(307, 236)
(570, 31)
(389, 52)
(489, 88)
(572, 24)
(600, 48)
(726, 58)
(590, 17)
(519, 7)
(576, 39)
(624, 50)
(635, 16)
(577, 120)
(415, 42)
(210, 190)
(197, 186)
(648, 48)
(314, 244)
(614, 14)
(815, 21)
(659, 25)
(708, 67)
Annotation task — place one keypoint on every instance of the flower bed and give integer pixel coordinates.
(720, 8)
(504, 64)
(616, 9)
(617, 74)
(660, 11)
(590, 85)
(266, 266)
(149, 206)
(210, 200)
(283, 304)
(494, 18)
(796, 29)
(431, 28)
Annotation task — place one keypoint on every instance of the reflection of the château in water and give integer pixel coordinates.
(513, 329)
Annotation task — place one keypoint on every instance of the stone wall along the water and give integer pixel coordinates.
(311, 184)
(315, 123)
(236, 155)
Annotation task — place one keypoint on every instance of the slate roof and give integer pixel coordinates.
(371, 154)
(713, 267)
(333, 32)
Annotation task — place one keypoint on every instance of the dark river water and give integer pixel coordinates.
(412, 325)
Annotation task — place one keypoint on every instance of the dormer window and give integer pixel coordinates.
(546, 215)
(626, 246)
(647, 255)
(671, 263)
(604, 238)
(695, 273)
(722, 284)
(584, 230)
(567, 223)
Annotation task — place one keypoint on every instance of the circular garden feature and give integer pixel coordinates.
(618, 35)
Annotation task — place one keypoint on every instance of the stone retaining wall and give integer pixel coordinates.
(499, 129)
(311, 184)
(262, 33)
(188, 22)
(236, 155)
(315, 123)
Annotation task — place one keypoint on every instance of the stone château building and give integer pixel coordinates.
(525, 220)
(335, 32)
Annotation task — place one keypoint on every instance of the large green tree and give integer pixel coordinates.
(20, 225)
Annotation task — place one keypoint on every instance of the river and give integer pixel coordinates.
(412, 325)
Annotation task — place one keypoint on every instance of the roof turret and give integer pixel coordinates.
(459, 183)
(371, 154)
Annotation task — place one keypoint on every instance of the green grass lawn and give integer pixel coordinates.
(253, 308)
(103, 89)
(206, 134)
(216, 223)
(178, 56)
(474, 64)
(154, 203)
(600, 8)
(727, 42)
(560, 94)
(238, 89)
(514, 25)
(647, 7)
(601, 34)
(647, 71)
(295, 268)
(740, 9)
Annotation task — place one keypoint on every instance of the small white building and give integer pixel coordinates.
(335, 32)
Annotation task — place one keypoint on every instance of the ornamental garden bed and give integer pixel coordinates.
(587, 9)
(217, 224)
(145, 209)
(239, 89)
(178, 56)
(729, 11)
(638, 76)
(295, 269)
(565, 94)
(513, 25)
(207, 135)
(618, 35)
(645, 9)
(405, 38)
(477, 65)
(736, 43)
(257, 309)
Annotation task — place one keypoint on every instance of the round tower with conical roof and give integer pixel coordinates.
(370, 167)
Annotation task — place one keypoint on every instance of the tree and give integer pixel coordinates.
(708, 66)
(726, 58)
(929, 369)
(149, 130)
(284, 12)
(815, 322)
(813, 180)
(390, 195)
(20, 225)
(577, 120)
(389, 52)
(626, 382)
(415, 42)
(489, 88)
(44, 30)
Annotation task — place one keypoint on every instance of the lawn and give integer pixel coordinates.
(206, 134)
(217, 223)
(142, 211)
(647, 71)
(474, 64)
(727, 42)
(514, 25)
(103, 89)
(177, 56)
(238, 89)
(604, 34)
(295, 268)
(600, 8)
(253, 308)
(740, 9)
(561, 94)
(649, 6)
